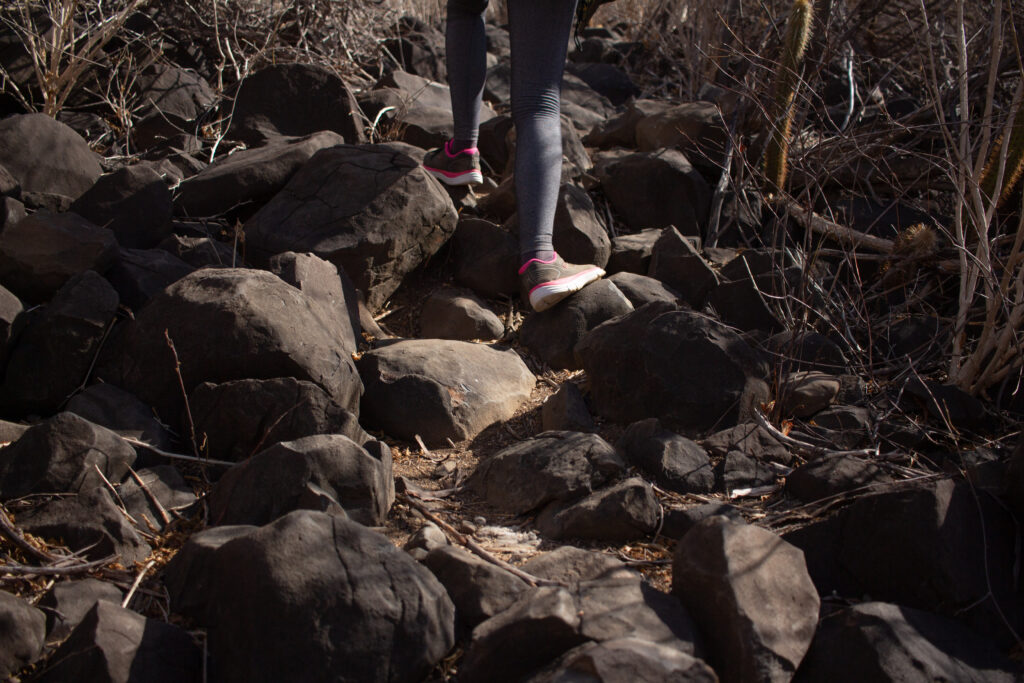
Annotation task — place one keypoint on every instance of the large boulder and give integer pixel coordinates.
(116, 645)
(250, 177)
(371, 210)
(479, 589)
(58, 346)
(441, 389)
(228, 324)
(38, 254)
(617, 514)
(132, 202)
(22, 630)
(333, 596)
(62, 454)
(48, 159)
(877, 641)
(294, 99)
(550, 467)
(626, 660)
(750, 594)
(238, 419)
(682, 367)
(553, 334)
(301, 474)
(173, 100)
(673, 190)
(459, 314)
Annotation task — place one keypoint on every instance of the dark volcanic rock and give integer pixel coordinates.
(553, 466)
(578, 235)
(876, 641)
(189, 573)
(47, 158)
(553, 334)
(631, 253)
(69, 601)
(151, 486)
(200, 252)
(566, 410)
(10, 309)
(321, 281)
(248, 177)
(679, 522)
(58, 346)
(749, 592)
(674, 192)
(294, 99)
(679, 366)
(641, 290)
(806, 351)
(804, 393)
(371, 210)
(750, 439)
(738, 471)
(830, 475)
(141, 273)
(478, 588)
(694, 128)
(672, 461)
(676, 263)
(116, 409)
(115, 645)
(228, 324)
(88, 523)
(620, 131)
(304, 474)
(454, 314)
(620, 513)
(626, 660)
(441, 389)
(240, 418)
(744, 303)
(132, 202)
(42, 252)
(22, 629)
(486, 257)
(353, 602)
(61, 455)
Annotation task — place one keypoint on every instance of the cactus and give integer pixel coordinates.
(1014, 162)
(798, 31)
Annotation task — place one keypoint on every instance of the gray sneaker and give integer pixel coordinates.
(461, 168)
(545, 283)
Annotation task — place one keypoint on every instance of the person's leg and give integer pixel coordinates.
(466, 51)
(539, 32)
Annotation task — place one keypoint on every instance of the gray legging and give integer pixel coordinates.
(539, 31)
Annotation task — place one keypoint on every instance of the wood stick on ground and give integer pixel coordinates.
(152, 497)
(184, 394)
(823, 226)
(135, 584)
(475, 547)
(11, 532)
(805, 448)
(23, 570)
(178, 456)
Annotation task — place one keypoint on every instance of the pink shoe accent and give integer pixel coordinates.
(448, 150)
(566, 280)
(449, 174)
(526, 265)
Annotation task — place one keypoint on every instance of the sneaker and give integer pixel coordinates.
(548, 282)
(461, 168)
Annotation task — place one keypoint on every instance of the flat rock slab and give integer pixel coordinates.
(40, 253)
(22, 629)
(300, 474)
(751, 596)
(241, 418)
(550, 467)
(626, 660)
(333, 596)
(55, 351)
(371, 210)
(62, 455)
(877, 641)
(682, 367)
(115, 645)
(228, 324)
(441, 389)
(248, 177)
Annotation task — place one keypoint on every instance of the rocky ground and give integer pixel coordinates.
(283, 416)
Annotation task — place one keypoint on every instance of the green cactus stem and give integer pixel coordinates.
(794, 45)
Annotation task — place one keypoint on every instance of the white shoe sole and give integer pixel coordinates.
(543, 297)
(470, 178)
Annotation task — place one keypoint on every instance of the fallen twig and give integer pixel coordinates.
(806, 448)
(24, 570)
(11, 532)
(152, 497)
(823, 226)
(179, 456)
(135, 584)
(409, 498)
